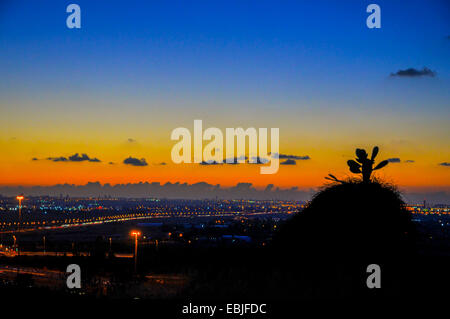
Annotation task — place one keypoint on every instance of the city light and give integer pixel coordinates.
(135, 233)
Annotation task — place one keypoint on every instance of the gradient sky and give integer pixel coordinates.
(137, 70)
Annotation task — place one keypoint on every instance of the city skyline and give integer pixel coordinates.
(199, 191)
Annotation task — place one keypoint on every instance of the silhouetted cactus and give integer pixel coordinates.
(363, 165)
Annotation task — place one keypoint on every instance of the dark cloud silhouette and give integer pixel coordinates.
(257, 161)
(412, 72)
(232, 161)
(398, 160)
(131, 140)
(260, 160)
(135, 161)
(292, 157)
(34, 159)
(83, 158)
(444, 164)
(235, 160)
(210, 162)
(162, 163)
(111, 163)
(289, 162)
(74, 158)
(57, 159)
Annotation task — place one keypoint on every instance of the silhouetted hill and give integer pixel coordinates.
(352, 219)
(346, 227)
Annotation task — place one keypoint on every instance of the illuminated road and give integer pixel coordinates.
(69, 223)
(11, 253)
(155, 285)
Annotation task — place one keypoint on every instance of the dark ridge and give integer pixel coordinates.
(346, 227)
(354, 219)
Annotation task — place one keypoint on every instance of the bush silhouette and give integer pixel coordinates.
(354, 217)
(347, 225)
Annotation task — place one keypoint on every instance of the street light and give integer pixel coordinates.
(19, 198)
(15, 239)
(136, 234)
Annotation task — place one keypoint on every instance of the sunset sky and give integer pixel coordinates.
(118, 86)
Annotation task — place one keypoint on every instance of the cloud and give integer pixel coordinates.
(83, 158)
(131, 140)
(412, 72)
(259, 160)
(398, 160)
(394, 160)
(57, 159)
(162, 163)
(444, 164)
(74, 158)
(289, 162)
(111, 163)
(210, 162)
(34, 159)
(292, 157)
(235, 160)
(135, 161)
(232, 161)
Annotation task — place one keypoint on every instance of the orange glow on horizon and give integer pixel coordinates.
(306, 174)
(28, 164)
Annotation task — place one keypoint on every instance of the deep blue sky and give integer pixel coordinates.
(223, 47)
(138, 69)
